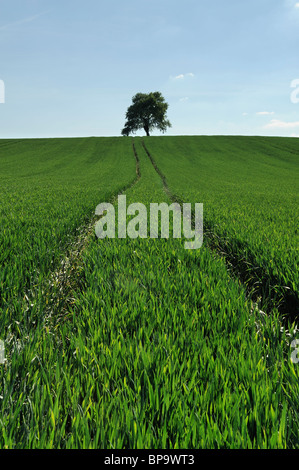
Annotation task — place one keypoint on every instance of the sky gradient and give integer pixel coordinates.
(70, 68)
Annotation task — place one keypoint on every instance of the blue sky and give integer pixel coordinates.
(70, 67)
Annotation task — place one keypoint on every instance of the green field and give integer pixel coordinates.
(122, 343)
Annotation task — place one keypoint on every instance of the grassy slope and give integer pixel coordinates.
(249, 187)
(160, 349)
(49, 187)
(49, 190)
(169, 352)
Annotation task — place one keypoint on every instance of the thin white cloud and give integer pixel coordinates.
(186, 98)
(23, 21)
(275, 123)
(183, 75)
(245, 114)
(297, 5)
(265, 113)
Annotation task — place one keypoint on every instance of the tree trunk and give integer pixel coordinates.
(145, 127)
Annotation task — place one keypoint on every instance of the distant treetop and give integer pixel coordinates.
(148, 111)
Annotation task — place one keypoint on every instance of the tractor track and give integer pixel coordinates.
(246, 270)
(65, 280)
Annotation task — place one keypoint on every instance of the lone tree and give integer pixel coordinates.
(147, 112)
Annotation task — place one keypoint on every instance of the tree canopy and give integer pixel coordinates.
(148, 111)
